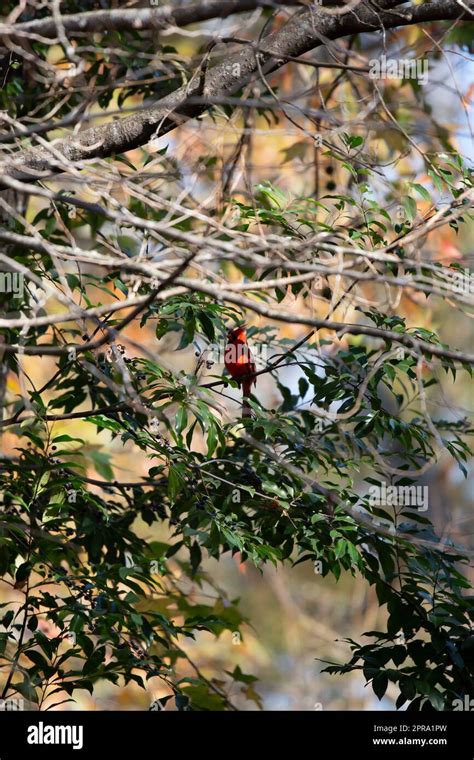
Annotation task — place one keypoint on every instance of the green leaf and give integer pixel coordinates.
(421, 191)
(175, 482)
(410, 208)
(379, 684)
(181, 419)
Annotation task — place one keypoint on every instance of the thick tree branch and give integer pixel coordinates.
(305, 31)
(122, 19)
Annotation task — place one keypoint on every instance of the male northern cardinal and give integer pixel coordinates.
(240, 365)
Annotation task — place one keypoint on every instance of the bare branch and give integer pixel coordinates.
(123, 19)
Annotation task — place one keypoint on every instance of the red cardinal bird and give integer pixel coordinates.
(240, 364)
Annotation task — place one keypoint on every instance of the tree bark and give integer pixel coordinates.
(123, 19)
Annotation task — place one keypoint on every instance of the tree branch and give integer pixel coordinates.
(123, 19)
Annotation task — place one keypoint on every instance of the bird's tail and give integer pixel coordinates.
(246, 408)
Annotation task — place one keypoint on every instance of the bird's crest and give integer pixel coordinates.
(237, 333)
